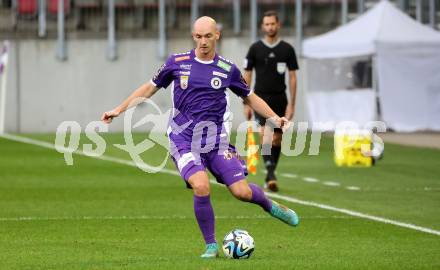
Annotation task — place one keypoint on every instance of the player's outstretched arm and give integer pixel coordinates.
(144, 91)
(261, 107)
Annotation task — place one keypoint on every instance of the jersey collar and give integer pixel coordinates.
(193, 52)
(271, 45)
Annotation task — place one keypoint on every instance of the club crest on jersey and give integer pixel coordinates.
(216, 83)
(184, 82)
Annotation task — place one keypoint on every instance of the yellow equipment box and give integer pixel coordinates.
(351, 147)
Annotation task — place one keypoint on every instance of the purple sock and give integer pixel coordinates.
(259, 198)
(205, 217)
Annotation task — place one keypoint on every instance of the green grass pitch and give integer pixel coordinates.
(103, 215)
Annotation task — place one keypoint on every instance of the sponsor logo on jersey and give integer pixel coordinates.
(271, 55)
(177, 54)
(184, 82)
(224, 66)
(216, 83)
(187, 67)
(216, 73)
(181, 58)
(181, 72)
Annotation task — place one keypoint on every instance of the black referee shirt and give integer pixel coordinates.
(270, 62)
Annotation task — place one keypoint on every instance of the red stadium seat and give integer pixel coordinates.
(52, 6)
(27, 7)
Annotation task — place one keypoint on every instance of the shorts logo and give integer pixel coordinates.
(187, 67)
(216, 83)
(227, 155)
(184, 82)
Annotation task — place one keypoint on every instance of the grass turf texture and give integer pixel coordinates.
(102, 215)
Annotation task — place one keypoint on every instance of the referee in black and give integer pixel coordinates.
(271, 58)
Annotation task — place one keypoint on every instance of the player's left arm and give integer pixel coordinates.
(290, 109)
(239, 86)
(261, 107)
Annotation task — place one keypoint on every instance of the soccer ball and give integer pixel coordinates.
(238, 244)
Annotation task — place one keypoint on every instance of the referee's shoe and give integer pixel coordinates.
(271, 185)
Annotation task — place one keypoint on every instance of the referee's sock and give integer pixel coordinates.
(269, 162)
(276, 151)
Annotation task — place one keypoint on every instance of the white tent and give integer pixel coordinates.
(407, 66)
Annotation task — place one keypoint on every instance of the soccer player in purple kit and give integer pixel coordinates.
(200, 100)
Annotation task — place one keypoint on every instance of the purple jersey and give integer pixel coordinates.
(199, 92)
(200, 96)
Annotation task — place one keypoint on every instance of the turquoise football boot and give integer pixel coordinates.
(284, 214)
(211, 251)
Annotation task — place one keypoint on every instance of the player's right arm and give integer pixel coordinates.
(161, 79)
(146, 90)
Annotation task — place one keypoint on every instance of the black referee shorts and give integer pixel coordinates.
(277, 102)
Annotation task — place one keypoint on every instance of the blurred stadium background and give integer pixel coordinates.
(73, 59)
(98, 51)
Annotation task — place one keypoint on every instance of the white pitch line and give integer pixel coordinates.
(289, 175)
(331, 184)
(272, 195)
(353, 188)
(144, 217)
(79, 152)
(356, 214)
(310, 179)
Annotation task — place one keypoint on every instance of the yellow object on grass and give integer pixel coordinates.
(352, 148)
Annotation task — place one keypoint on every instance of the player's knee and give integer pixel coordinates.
(243, 194)
(201, 188)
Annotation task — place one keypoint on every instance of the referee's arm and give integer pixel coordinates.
(290, 109)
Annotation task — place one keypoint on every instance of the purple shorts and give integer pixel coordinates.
(226, 166)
